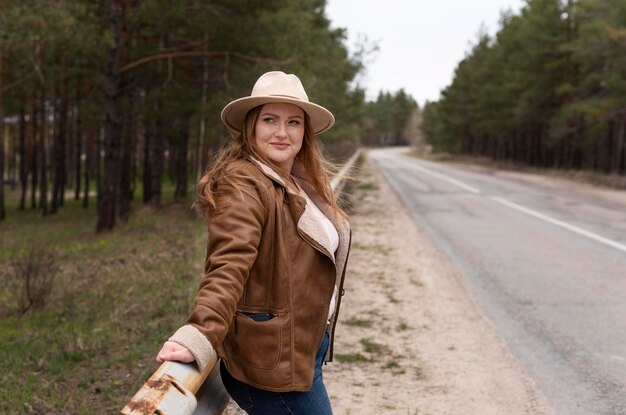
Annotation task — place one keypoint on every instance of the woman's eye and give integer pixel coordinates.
(268, 119)
(294, 122)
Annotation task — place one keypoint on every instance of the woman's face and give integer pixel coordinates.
(278, 133)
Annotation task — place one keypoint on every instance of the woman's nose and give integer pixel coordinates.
(281, 130)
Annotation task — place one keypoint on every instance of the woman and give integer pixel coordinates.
(276, 255)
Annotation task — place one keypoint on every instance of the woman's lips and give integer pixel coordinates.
(280, 146)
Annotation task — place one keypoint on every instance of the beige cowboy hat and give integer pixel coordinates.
(277, 86)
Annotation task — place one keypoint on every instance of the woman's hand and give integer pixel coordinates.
(176, 352)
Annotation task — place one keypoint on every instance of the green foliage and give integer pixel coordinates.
(388, 118)
(548, 89)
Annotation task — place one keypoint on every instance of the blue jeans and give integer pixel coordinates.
(261, 402)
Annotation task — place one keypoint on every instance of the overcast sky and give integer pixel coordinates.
(420, 41)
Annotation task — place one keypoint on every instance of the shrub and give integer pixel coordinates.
(31, 276)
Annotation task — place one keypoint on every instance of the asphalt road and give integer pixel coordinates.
(546, 263)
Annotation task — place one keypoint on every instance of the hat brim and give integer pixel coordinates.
(234, 114)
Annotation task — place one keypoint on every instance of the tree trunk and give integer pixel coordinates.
(79, 141)
(202, 132)
(621, 148)
(98, 165)
(90, 151)
(147, 145)
(607, 156)
(112, 122)
(126, 191)
(12, 168)
(154, 159)
(33, 141)
(60, 172)
(606, 150)
(171, 150)
(23, 151)
(155, 147)
(181, 160)
(43, 187)
(2, 209)
(542, 147)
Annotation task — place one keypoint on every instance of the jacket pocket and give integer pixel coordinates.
(259, 316)
(256, 339)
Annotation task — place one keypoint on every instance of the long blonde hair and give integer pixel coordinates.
(243, 146)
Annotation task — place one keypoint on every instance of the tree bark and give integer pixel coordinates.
(90, 150)
(12, 167)
(34, 169)
(60, 171)
(78, 141)
(23, 151)
(154, 159)
(42, 149)
(98, 163)
(621, 148)
(126, 191)
(147, 145)
(181, 161)
(112, 122)
(2, 208)
(202, 132)
(607, 150)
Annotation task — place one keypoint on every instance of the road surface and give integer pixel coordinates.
(546, 261)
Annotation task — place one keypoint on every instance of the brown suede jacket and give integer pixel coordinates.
(267, 253)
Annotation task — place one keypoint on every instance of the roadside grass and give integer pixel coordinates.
(402, 326)
(372, 347)
(352, 358)
(374, 248)
(367, 186)
(394, 366)
(117, 296)
(392, 299)
(358, 322)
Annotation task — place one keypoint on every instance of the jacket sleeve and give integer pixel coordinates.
(234, 237)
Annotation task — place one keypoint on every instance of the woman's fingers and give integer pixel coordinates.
(172, 351)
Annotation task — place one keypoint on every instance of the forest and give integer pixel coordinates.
(120, 99)
(116, 103)
(109, 113)
(548, 90)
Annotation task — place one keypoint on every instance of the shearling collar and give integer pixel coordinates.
(308, 223)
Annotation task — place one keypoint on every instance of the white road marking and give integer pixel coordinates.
(560, 223)
(526, 210)
(448, 179)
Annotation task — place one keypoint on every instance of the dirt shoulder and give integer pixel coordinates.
(410, 338)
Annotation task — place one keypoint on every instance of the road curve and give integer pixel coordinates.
(547, 264)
